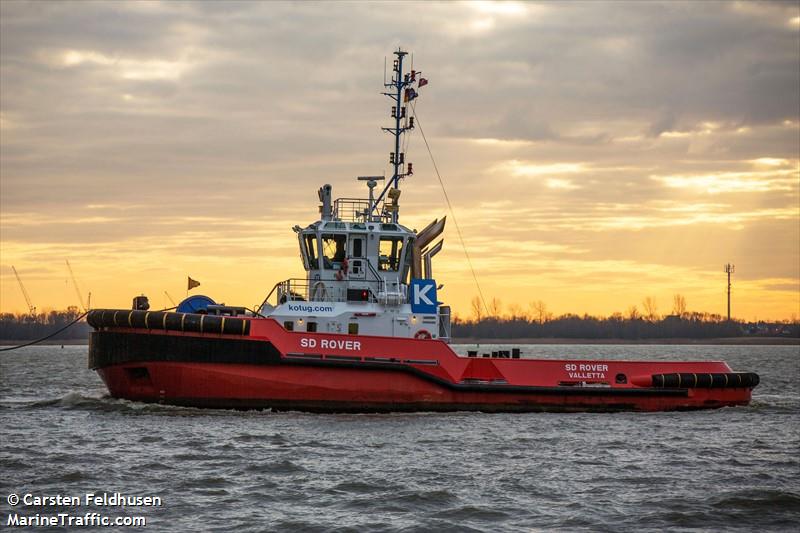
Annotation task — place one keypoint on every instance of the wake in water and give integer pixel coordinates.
(102, 401)
(786, 403)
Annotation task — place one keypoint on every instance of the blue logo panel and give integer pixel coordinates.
(423, 296)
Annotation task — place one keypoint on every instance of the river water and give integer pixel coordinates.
(733, 469)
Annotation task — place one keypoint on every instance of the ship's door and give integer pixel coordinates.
(358, 253)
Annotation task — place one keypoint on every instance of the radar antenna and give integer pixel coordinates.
(372, 182)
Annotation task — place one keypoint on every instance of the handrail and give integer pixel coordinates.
(374, 272)
(260, 307)
(278, 285)
(301, 286)
(360, 207)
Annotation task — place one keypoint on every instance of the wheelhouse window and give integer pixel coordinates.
(310, 241)
(407, 265)
(358, 247)
(334, 247)
(391, 250)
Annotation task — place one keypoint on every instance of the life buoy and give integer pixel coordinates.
(423, 334)
(342, 273)
(319, 292)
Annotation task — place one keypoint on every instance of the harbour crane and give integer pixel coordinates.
(31, 308)
(77, 290)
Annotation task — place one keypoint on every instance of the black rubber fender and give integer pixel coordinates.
(716, 380)
(168, 321)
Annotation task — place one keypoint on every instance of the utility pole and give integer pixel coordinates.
(729, 268)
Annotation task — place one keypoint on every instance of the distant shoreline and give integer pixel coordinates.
(65, 342)
(744, 341)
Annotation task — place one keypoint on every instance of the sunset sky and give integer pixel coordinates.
(595, 153)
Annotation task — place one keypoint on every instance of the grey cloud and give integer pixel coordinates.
(280, 97)
(700, 61)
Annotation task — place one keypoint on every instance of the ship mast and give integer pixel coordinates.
(399, 90)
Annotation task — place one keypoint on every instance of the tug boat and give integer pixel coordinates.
(363, 331)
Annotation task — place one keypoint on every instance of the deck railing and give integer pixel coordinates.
(356, 210)
(300, 289)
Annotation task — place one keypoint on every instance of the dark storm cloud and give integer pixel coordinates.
(668, 64)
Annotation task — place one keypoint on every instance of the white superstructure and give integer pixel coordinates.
(365, 275)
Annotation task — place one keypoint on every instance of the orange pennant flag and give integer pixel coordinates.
(192, 284)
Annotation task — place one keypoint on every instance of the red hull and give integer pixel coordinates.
(269, 367)
(347, 390)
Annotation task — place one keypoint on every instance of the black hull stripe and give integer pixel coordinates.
(491, 387)
(107, 348)
(517, 406)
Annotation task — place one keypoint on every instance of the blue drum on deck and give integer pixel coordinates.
(197, 303)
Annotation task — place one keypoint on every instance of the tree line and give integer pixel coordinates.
(490, 322)
(23, 327)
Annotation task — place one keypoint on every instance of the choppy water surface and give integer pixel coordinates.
(216, 470)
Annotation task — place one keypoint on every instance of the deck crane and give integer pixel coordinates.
(77, 290)
(31, 308)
